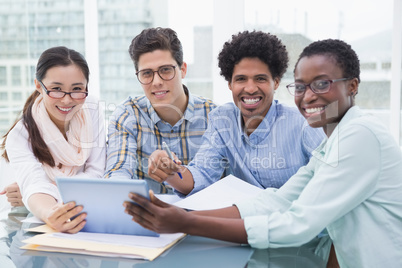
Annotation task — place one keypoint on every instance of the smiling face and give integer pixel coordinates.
(324, 110)
(160, 92)
(62, 78)
(253, 88)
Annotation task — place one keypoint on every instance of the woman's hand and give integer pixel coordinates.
(13, 194)
(59, 218)
(156, 215)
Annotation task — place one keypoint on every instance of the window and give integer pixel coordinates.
(3, 76)
(3, 96)
(17, 96)
(202, 28)
(16, 75)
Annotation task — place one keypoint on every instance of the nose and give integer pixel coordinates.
(309, 96)
(250, 87)
(66, 99)
(157, 79)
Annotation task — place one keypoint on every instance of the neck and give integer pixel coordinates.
(172, 113)
(328, 129)
(251, 124)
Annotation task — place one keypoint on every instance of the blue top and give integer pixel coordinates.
(136, 131)
(280, 145)
(352, 186)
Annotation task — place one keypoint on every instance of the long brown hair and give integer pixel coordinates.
(52, 57)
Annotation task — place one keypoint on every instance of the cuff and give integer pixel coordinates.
(246, 207)
(257, 231)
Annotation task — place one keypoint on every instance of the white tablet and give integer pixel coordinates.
(102, 200)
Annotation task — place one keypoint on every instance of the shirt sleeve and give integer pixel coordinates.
(331, 185)
(28, 171)
(121, 160)
(209, 162)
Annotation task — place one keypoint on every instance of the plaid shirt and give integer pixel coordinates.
(136, 131)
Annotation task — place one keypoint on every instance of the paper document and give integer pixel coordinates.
(107, 245)
(223, 193)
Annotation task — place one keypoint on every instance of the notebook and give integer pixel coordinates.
(102, 200)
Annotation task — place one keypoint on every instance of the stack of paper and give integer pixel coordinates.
(106, 245)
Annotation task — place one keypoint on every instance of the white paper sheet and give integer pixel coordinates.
(222, 193)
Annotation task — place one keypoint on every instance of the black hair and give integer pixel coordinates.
(343, 54)
(156, 39)
(256, 44)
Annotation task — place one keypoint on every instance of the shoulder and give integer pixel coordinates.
(18, 134)
(289, 115)
(130, 106)
(283, 109)
(363, 123)
(200, 102)
(227, 109)
(95, 107)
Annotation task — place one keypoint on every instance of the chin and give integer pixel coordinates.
(315, 122)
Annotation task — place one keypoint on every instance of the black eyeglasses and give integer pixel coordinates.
(61, 94)
(317, 86)
(165, 72)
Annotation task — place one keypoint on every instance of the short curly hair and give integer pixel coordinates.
(343, 54)
(256, 44)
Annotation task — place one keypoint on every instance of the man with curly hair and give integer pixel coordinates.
(258, 139)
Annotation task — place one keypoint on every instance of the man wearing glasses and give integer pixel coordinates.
(167, 113)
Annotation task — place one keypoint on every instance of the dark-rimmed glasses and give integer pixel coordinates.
(165, 72)
(60, 94)
(317, 86)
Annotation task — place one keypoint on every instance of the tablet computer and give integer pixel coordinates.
(102, 200)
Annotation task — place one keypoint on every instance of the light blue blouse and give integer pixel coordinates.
(352, 186)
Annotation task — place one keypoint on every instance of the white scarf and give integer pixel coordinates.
(71, 153)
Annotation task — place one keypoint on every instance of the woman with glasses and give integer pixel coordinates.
(60, 134)
(351, 186)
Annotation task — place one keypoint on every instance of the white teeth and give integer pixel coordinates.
(250, 101)
(160, 93)
(65, 109)
(314, 110)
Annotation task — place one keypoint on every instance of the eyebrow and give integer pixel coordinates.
(323, 76)
(61, 84)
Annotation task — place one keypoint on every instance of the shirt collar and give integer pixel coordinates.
(352, 113)
(264, 127)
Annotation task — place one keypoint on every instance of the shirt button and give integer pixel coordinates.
(172, 131)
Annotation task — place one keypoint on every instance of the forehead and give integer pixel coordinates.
(251, 66)
(155, 59)
(65, 73)
(317, 65)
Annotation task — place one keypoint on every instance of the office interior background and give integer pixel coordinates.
(103, 29)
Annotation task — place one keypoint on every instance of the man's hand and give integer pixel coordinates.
(161, 167)
(13, 194)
